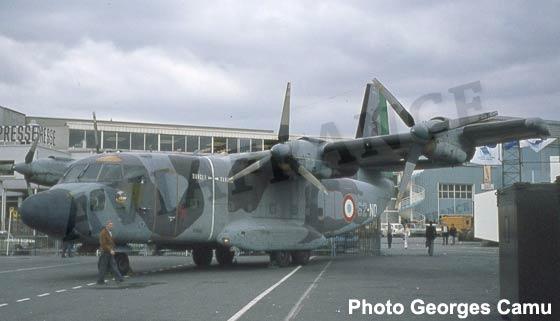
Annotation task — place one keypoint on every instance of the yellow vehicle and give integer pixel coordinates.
(463, 223)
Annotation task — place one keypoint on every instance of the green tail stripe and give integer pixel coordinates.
(382, 120)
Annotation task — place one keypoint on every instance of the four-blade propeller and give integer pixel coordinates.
(282, 154)
(423, 134)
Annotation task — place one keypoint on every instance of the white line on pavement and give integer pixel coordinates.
(90, 284)
(77, 287)
(3, 304)
(295, 310)
(249, 305)
(60, 291)
(44, 294)
(38, 268)
(23, 300)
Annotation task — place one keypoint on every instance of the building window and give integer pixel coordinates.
(232, 145)
(76, 138)
(6, 168)
(457, 191)
(244, 145)
(220, 145)
(192, 144)
(268, 143)
(165, 143)
(123, 141)
(256, 145)
(179, 143)
(205, 144)
(109, 140)
(137, 141)
(152, 142)
(90, 139)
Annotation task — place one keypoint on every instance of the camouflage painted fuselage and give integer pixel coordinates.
(181, 201)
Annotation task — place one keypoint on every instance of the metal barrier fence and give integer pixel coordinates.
(365, 241)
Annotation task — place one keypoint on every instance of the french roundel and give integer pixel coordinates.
(348, 208)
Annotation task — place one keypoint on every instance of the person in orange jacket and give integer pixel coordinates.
(107, 257)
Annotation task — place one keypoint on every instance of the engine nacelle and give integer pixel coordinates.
(445, 152)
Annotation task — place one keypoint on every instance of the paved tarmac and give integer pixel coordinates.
(172, 288)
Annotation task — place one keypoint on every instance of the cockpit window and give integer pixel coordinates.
(94, 172)
(74, 172)
(91, 173)
(110, 172)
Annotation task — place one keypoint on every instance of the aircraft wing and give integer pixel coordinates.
(500, 132)
(390, 152)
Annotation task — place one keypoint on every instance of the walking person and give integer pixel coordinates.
(389, 235)
(67, 248)
(107, 257)
(453, 233)
(445, 234)
(430, 237)
(406, 234)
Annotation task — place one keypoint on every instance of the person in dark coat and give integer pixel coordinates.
(453, 233)
(430, 237)
(107, 257)
(389, 235)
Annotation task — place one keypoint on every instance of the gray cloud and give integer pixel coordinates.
(226, 64)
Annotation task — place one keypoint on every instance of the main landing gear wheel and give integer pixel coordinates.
(202, 256)
(224, 255)
(301, 257)
(122, 263)
(281, 258)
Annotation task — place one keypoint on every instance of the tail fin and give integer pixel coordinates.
(374, 119)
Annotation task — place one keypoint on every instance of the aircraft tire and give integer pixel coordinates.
(301, 257)
(202, 256)
(123, 264)
(281, 258)
(224, 256)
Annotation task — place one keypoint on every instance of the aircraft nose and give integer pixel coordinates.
(50, 212)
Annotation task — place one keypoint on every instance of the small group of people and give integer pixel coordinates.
(446, 232)
(406, 235)
(431, 234)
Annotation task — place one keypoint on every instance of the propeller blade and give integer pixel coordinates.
(251, 168)
(284, 131)
(411, 161)
(397, 106)
(464, 121)
(31, 153)
(96, 133)
(312, 179)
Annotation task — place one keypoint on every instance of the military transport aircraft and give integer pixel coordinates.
(285, 201)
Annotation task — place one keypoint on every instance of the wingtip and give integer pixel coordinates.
(538, 125)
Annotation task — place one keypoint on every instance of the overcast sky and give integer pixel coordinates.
(226, 63)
